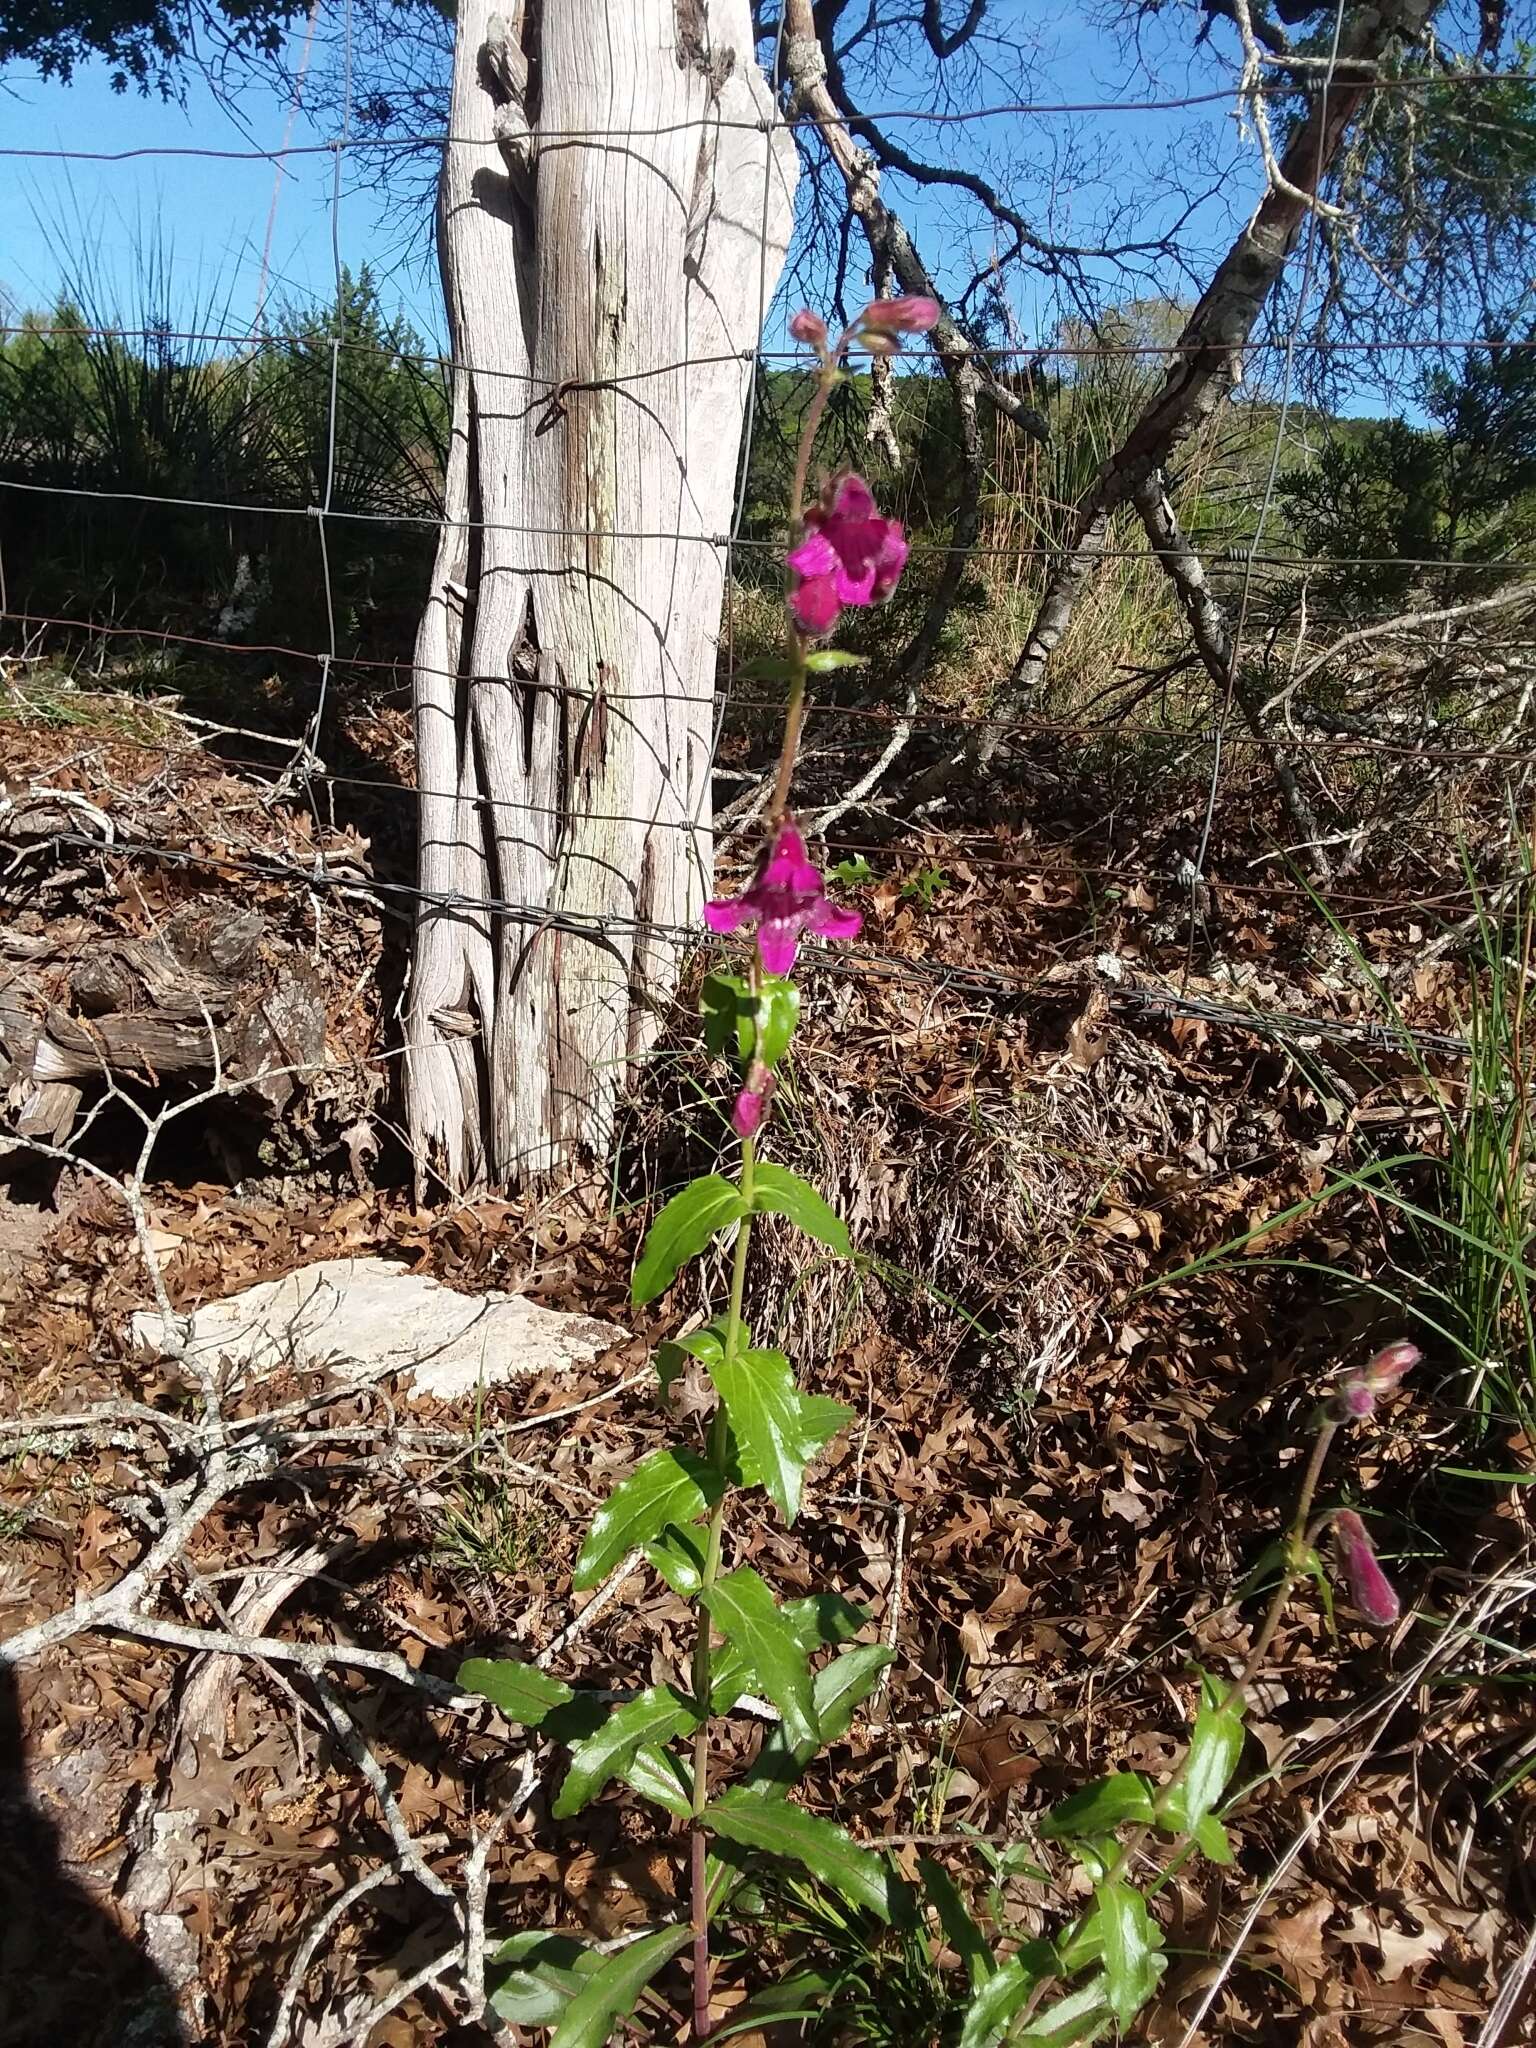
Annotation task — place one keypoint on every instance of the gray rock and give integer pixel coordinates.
(366, 1319)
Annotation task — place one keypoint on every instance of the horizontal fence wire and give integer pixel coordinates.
(1227, 557)
(1343, 744)
(963, 852)
(1031, 353)
(932, 117)
(854, 962)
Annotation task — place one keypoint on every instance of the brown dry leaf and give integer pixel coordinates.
(1400, 1952)
(1293, 1942)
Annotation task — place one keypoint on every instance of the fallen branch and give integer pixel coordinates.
(115, 1607)
(350, 1736)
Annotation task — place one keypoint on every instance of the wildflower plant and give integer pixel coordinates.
(765, 1429)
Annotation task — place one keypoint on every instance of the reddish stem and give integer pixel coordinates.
(700, 1936)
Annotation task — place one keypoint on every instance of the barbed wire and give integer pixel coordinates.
(851, 962)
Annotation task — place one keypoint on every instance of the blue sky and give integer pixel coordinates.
(209, 219)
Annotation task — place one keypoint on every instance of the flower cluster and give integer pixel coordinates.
(786, 897)
(878, 328)
(849, 555)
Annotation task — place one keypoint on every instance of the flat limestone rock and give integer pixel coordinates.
(365, 1319)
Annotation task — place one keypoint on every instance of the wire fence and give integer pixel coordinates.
(307, 770)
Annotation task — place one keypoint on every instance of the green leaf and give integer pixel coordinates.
(655, 1717)
(662, 1778)
(763, 1403)
(520, 1691)
(1212, 1840)
(820, 1419)
(842, 1686)
(836, 1692)
(826, 1850)
(776, 1189)
(1101, 1807)
(679, 1560)
(1318, 1573)
(767, 668)
(748, 1616)
(994, 2003)
(825, 659)
(705, 1344)
(726, 1004)
(960, 1930)
(778, 1012)
(1079, 2017)
(1132, 1965)
(668, 1486)
(613, 1991)
(534, 1975)
(682, 1230)
(817, 1622)
(822, 1619)
(1214, 1749)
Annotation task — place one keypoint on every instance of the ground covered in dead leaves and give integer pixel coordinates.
(1066, 1460)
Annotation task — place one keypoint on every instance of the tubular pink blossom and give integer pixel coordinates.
(849, 555)
(787, 897)
(810, 327)
(909, 314)
(1391, 1362)
(1357, 1391)
(1370, 1590)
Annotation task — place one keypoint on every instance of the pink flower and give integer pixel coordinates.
(849, 555)
(1358, 1390)
(809, 326)
(787, 897)
(910, 314)
(1369, 1587)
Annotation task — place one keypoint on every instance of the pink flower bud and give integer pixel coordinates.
(810, 327)
(1358, 1390)
(1369, 1587)
(910, 314)
(1390, 1363)
(748, 1113)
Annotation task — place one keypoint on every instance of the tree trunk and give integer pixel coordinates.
(1208, 625)
(603, 233)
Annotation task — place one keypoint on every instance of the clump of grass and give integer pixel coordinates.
(492, 1529)
(1463, 1204)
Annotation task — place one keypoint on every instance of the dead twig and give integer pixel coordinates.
(350, 1736)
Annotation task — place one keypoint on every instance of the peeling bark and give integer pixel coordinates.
(599, 233)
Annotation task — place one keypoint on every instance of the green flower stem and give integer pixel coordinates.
(701, 1647)
(1295, 1561)
(794, 708)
